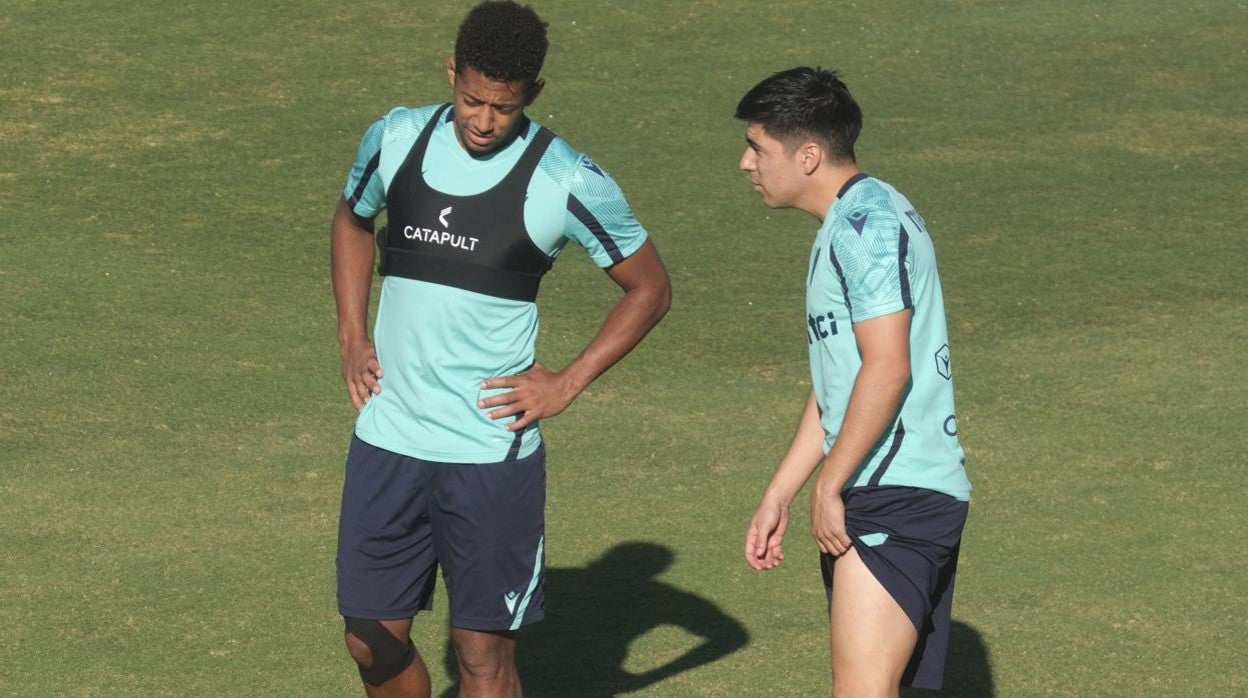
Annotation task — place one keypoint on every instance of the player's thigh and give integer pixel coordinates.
(386, 565)
(872, 638)
(490, 541)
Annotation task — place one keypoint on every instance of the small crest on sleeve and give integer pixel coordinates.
(592, 167)
(858, 219)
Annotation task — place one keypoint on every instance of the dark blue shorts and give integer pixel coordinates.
(909, 539)
(483, 524)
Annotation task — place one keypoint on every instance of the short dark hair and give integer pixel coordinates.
(502, 40)
(802, 103)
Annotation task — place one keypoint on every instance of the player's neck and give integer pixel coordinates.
(824, 187)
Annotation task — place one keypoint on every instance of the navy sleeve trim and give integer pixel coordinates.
(902, 244)
(576, 208)
(840, 274)
(368, 174)
(892, 453)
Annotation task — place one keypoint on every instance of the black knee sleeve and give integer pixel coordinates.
(390, 654)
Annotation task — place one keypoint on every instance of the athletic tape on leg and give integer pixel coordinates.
(391, 656)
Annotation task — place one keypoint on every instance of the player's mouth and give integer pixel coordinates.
(477, 139)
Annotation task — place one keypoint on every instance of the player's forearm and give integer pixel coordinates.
(873, 405)
(633, 316)
(351, 264)
(803, 456)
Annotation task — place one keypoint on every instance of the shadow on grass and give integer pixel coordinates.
(592, 615)
(968, 670)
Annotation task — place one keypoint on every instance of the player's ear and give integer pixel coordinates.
(811, 155)
(450, 69)
(534, 90)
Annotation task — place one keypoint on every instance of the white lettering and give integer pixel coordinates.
(441, 237)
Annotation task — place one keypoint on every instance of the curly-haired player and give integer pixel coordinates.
(446, 467)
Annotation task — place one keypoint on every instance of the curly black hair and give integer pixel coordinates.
(503, 40)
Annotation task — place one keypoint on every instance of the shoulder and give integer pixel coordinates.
(572, 170)
(869, 208)
(406, 122)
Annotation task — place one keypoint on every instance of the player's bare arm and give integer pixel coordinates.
(765, 535)
(540, 392)
(884, 344)
(351, 260)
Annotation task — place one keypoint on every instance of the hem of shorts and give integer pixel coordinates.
(457, 458)
(926, 685)
(532, 616)
(375, 614)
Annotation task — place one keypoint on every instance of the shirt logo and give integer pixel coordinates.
(942, 362)
(509, 599)
(442, 217)
(589, 165)
(859, 220)
(819, 327)
(918, 220)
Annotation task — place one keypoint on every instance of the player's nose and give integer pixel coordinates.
(484, 122)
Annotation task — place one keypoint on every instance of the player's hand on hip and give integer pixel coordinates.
(361, 371)
(534, 394)
(827, 519)
(763, 539)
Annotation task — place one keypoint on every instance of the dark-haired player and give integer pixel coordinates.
(446, 466)
(890, 499)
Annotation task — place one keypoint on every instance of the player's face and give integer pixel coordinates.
(487, 111)
(774, 170)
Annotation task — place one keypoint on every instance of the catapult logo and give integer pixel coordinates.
(942, 362)
(441, 237)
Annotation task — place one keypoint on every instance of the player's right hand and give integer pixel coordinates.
(827, 518)
(763, 540)
(361, 371)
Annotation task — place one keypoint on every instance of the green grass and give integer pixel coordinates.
(172, 424)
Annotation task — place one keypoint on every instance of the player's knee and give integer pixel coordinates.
(359, 651)
(380, 655)
(483, 657)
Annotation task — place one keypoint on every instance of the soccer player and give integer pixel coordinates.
(446, 467)
(890, 498)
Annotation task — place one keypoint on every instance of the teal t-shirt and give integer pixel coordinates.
(437, 343)
(871, 257)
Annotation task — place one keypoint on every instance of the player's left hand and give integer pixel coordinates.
(764, 538)
(535, 394)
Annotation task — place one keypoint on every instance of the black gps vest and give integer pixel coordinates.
(476, 243)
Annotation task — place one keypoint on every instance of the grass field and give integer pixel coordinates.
(172, 423)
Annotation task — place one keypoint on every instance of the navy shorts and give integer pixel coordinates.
(909, 539)
(483, 524)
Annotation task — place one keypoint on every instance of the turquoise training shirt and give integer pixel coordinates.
(871, 257)
(437, 343)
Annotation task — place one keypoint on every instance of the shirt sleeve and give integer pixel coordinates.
(598, 218)
(871, 254)
(364, 191)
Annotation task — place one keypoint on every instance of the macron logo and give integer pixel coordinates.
(510, 599)
(442, 217)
